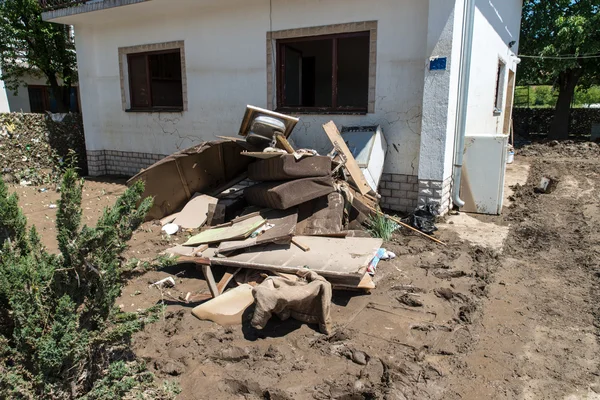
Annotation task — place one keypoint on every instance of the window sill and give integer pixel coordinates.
(319, 111)
(154, 110)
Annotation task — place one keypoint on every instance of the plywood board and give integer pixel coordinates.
(238, 230)
(351, 165)
(194, 212)
(329, 257)
(285, 224)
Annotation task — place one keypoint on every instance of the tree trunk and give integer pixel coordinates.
(61, 94)
(567, 82)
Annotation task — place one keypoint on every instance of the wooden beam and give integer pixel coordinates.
(285, 145)
(351, 165)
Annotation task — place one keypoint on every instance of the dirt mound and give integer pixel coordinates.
(554, 148)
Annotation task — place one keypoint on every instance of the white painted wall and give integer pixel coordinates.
(497, 23)
(441, 90)
(225, 51)
(4, 106)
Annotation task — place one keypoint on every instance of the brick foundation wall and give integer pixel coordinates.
(399, 192)
(113, 162)
(437, 192)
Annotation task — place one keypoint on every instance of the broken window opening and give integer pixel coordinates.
(324, 73)
(499, 87)
(155, 82)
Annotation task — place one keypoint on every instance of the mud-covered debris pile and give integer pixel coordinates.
(32, 146)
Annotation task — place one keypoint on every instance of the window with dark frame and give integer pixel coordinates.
(41, 99)
(324, 73)
(499, 87)
(155, 82)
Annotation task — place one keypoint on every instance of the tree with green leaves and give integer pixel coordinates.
(32, 46)
(564, 39)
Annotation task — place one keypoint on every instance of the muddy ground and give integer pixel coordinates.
(478, 319)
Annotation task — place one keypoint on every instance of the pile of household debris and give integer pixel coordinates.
(283, 224)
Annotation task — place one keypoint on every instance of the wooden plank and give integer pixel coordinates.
(229, 274)
(260, 154)
(300, 245)
(168, 219)
(285, 145)
(210, 279)
(351, 165)
(238, 230)
(285, 225)
(396, 220)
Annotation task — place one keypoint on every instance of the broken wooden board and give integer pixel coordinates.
(181, 250)
(194, 212)
(322, 216)
(285, 224)
(282, 143)
(228, 308)
(168, 219)
(238, 230)
(351, 165)
(261, 155)
(366, 285)
(342, 261)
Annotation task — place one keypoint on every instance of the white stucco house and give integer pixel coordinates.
(156, 76)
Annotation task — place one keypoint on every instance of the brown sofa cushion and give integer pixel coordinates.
(287, 167)
(283, 195)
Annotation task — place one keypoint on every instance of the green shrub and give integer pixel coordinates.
(60, 335)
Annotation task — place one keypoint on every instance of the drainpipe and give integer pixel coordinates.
(463, 96)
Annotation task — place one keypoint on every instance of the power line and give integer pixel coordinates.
(564, 57)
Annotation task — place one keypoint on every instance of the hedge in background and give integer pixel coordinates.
(537, 121)
(33, 146)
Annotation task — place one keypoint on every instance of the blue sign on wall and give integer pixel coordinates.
(437, 64)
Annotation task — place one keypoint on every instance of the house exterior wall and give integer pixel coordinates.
(497, 23)
(226, 68)
(18, 101)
